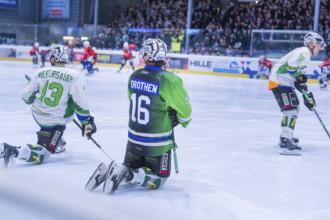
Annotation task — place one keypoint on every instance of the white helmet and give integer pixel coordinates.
(70, 42)
(315, 38)
(154, 49)
(125, 46)
(59, 52)
(36, 44)
(86, 43)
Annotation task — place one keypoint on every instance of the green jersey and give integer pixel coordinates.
(152, 92)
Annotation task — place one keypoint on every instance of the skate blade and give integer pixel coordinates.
(284, 151)
(108, 183)
(97, 178)
(59, 150)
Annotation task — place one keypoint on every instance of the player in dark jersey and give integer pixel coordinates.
(158, 102)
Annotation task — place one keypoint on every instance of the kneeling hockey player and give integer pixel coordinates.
(55, 93)
(158, 102)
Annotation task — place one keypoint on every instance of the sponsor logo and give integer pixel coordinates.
(164, 164)
(201, 63)
(286, 101)
(56, 136)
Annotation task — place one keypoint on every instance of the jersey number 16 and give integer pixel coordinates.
(139, 113)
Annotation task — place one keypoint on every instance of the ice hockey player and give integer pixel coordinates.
(325, 74)
(43, 55)
(55, 93)
(34, 52)
(89, 58)
(286, 76)
(128, 56)
(158, 102)
(70, 46)
(265, 67)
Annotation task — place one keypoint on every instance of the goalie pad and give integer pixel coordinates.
(97, 178)
(50, 138)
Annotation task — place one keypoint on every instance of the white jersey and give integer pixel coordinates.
(56, 93)
(289, 67)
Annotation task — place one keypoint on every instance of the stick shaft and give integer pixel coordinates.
(317, 114)
(92, 139)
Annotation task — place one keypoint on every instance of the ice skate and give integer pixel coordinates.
(8, 153)
(288, 148)
(294, 141)
(116, 174)
(61, 146)
(97, 178)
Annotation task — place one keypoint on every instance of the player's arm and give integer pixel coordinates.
(79, 98)
(30, 91)
(178, 100)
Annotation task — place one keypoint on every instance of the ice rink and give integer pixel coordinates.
(229, 164)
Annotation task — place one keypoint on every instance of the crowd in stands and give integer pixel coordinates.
(220, 29)
(216, 28)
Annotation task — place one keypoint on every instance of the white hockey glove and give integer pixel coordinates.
(89, 128)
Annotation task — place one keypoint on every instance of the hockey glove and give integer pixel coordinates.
(310, 103)
(89, 128)
(301, 83)
(174, 118)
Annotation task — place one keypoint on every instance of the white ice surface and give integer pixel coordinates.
(229, 164)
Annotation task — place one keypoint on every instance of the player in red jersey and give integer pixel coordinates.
(89, 58)
(265, 66)
(34, 53)
(128, 56)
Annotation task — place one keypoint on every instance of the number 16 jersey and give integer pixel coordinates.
(152, 92)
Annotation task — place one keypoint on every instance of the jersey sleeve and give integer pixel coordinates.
(78, 94)
(30, 91)
(177, 98)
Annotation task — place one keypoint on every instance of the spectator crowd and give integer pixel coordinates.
(217, 28)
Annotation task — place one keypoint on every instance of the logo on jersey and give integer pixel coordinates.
(144, 86)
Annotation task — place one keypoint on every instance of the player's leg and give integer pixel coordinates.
(323, 79)
(132, 64)
(289, 105)
(155, 173)
(83, 63)
(48, 141)
(149, 172)
(123, 63)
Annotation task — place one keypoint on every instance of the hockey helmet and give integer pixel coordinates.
(86, 43)
(36, 44)
(60, 53)
(315, 38)
(154, 49)
(125, 46)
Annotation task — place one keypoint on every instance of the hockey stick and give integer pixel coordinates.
(317, 115)
(175, 157)
(91, 138)
(27, 78)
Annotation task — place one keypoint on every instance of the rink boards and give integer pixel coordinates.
(243, 67)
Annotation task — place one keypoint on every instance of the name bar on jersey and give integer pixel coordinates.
(144, 86)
